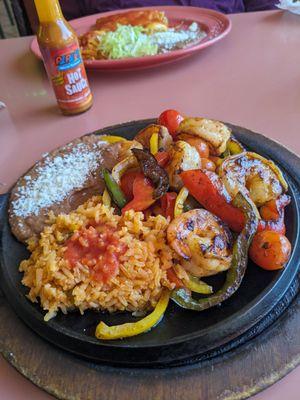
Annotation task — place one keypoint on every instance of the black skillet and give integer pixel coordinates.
(182, 336)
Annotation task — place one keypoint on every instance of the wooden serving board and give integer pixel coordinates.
(235, 375)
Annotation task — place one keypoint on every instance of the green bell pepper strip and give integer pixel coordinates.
(237, 270)
(114, 189)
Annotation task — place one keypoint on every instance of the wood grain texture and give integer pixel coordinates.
(236, 375)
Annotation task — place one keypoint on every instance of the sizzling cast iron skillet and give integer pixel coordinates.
(183, 336)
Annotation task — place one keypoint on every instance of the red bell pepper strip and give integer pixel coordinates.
(162, 158)
(167, 202)
(272, 214)
(208, 189)
(142, 195)
(126, 183)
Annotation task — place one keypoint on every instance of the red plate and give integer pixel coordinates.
(215, 24)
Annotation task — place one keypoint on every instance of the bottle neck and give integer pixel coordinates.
(48, 10)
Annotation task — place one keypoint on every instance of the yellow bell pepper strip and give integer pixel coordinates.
(105, 332)
(106, 199)
(238, 266)
(120, 168)
(154, 143)
(112, 139)
(180, 199)
(114, 189)
(197, 286)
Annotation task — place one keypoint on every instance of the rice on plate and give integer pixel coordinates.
(137, 283)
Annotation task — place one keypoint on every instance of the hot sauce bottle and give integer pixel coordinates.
(61, 53)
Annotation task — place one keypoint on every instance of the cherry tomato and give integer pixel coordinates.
(127, 183)
(170, 119)
(207, 164)
(270, 250)
(200, 145)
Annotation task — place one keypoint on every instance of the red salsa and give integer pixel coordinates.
(99, 248)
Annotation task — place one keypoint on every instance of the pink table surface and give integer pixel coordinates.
(252, 79)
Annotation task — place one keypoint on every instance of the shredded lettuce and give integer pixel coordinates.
(127, 41)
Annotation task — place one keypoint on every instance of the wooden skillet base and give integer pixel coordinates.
(235, 375)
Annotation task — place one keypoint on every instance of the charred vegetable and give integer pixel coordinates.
(153, 171)
(238, 266)
(163, 138)
(207, 188)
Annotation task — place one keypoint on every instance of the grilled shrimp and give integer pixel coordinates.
(213, 132)
(204, 243)
(253, 174)
(183, 157)
(164, 138)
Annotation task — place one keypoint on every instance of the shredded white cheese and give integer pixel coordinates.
(55, 180)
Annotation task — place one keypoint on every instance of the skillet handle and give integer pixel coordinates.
(3, 200)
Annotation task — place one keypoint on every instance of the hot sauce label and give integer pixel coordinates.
(67, 73)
